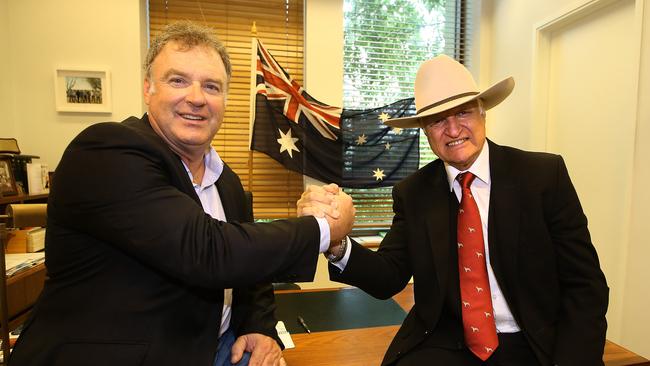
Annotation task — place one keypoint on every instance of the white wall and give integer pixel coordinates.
(71, 33)
(636, 317)
(617, 214)
(324, 50)
(323, 80)
(6, 112)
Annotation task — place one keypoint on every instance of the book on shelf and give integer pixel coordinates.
(28, 240)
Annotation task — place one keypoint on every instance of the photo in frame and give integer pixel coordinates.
(82, 90)
(7, 179)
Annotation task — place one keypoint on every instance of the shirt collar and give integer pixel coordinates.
(213, 168)
(480, 168)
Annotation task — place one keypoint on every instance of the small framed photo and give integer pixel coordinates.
(7, 179)
(82, 90)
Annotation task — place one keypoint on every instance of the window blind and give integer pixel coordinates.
(385, 41)
(279, 25)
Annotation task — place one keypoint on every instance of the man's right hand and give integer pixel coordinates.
(332, 203)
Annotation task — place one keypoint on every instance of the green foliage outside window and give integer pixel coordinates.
(384, 43)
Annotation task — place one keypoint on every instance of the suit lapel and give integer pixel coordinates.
(178, 174)
(436, 209)
(503, 219)
(227, 195)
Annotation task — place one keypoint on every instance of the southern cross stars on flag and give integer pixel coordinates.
(375, 155)
(305, 135)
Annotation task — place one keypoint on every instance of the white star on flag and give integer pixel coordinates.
(379, 174)
(397, 130)
(387, 146)
(383, 117)
(287, 143)
(361, 139)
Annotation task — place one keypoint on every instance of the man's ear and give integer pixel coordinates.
(146, 90)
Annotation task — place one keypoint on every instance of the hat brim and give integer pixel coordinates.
(491, 97)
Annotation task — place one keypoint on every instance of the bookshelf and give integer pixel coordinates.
(23, 198)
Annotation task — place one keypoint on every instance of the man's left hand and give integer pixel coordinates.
(264, 350)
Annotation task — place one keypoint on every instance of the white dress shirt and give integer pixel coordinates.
(480, 187)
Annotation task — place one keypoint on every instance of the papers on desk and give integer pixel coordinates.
(18, 262)
(284, 335)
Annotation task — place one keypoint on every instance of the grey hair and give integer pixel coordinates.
(188, 35)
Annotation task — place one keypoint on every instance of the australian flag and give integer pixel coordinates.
(351, 148)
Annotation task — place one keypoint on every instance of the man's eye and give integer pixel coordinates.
(177, 82)
(465, 113)
(214, 88)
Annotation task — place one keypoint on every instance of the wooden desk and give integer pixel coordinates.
(366, 346)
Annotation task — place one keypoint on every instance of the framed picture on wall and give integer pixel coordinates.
(82, 90)
(7, 179)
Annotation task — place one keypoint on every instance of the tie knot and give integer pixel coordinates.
(466, 179)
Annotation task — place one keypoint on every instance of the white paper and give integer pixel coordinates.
(17, 262)
(285, 337)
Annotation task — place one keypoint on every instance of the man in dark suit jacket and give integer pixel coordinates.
(151, 256)
(547, 296)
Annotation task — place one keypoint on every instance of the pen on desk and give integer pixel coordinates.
(304, 325)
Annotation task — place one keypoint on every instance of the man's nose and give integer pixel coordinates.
(453, 126)
(195, 95)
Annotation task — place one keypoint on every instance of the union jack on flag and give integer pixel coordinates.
(277, 85)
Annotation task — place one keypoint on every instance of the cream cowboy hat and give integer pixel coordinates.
(443, 83)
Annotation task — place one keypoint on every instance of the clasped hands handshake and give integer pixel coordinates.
(330, 202)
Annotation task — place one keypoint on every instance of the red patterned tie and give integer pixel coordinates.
(478, 315)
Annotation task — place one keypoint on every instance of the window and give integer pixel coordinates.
(279, 25)
(385, 41)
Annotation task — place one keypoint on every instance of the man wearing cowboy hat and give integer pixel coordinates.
(495, 238)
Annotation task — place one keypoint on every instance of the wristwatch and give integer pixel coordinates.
(335, 257)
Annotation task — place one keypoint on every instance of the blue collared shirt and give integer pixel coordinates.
(211, 202)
